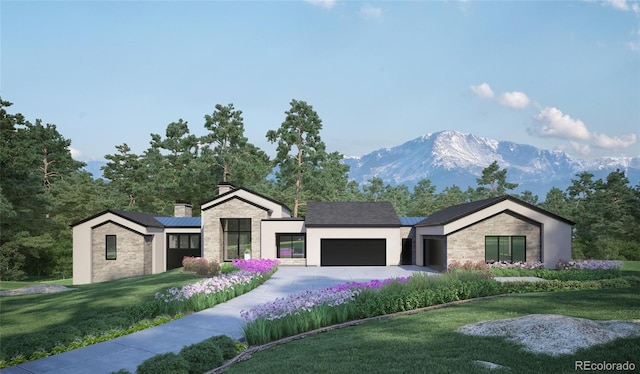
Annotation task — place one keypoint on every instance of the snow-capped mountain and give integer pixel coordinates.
(451, 157)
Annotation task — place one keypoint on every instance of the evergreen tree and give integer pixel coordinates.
(300, 149)
(493, 182)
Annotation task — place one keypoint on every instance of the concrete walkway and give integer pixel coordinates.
(127, 352)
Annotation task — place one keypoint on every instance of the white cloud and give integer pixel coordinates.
(327, 4)
(75, 154)
(624, 5)
(605, 141)
(553, 123)
(515, 99)
(371, 12)
(483, 91)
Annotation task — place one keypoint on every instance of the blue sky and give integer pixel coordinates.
(557, 75)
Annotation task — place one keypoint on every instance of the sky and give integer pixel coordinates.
(554, 74)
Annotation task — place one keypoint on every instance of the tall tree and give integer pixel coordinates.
(300, 149)
(33, 158)
(423, 198)
(123, 170)
(238, 160)
(493, 181)
(227, 134)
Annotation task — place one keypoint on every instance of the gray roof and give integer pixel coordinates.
(144, 219)
(453, 213)
(410, 221)
(148, 219)
(351, 214)
(181, 222)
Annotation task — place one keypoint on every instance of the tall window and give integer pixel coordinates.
(236, 237)
(184, 241)
(505, 248)
(290, 245)
(110, 250)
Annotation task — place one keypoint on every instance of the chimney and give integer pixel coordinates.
(225, 187)
(182, 210)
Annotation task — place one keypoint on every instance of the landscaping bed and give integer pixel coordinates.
(100, 312)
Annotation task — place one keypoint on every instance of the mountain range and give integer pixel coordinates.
(451, 157)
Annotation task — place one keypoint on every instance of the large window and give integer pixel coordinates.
(290, 245)
(184, 241)
(505, 248)
(236, 237)
(110, 250)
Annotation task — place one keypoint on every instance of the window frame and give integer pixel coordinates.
(235, 227)
(180, 243)
(111, 255)
(508, 240)
(291, 235)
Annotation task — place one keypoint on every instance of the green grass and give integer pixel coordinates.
(631, 268)
(38, 313)
(427, 342)
(9, 285)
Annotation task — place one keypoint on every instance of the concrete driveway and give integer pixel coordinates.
(127, 352)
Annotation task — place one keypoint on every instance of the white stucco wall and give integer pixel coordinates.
(391, 234)
(268, 247)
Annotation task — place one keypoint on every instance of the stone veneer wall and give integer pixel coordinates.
(148, 254)
(212, 229)
(130, 260)
(468, 243)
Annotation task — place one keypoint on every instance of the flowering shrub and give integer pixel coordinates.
(516, 265)
(211, 291)
(201, 266)
(299, 303)
(589, 265)
(256, 265)
(306, 300)
(477, 267)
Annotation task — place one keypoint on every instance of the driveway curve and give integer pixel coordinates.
(127, 352)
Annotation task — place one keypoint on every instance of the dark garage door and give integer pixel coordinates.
(353, 252)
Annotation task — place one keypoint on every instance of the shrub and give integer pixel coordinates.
(202, 357)
(164, 363)
(228, 268)
(480, 266)
(228, 346)
(144, 310)
(201, 266)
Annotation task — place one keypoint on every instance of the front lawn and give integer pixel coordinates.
(38, 325)
(38, 313)
(427, 342)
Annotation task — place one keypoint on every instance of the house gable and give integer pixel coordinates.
(278, 210)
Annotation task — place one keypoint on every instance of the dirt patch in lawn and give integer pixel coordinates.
(41, 288)
(554, 334)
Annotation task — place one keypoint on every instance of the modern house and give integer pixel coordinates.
(115, 244)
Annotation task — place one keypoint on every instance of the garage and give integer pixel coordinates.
(353, 252)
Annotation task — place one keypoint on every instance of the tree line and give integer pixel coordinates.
(43, 190)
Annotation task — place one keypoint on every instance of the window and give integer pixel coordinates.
(236, 237)
(184, 241)
(505, 248)
(110, 253)
(290, 245)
